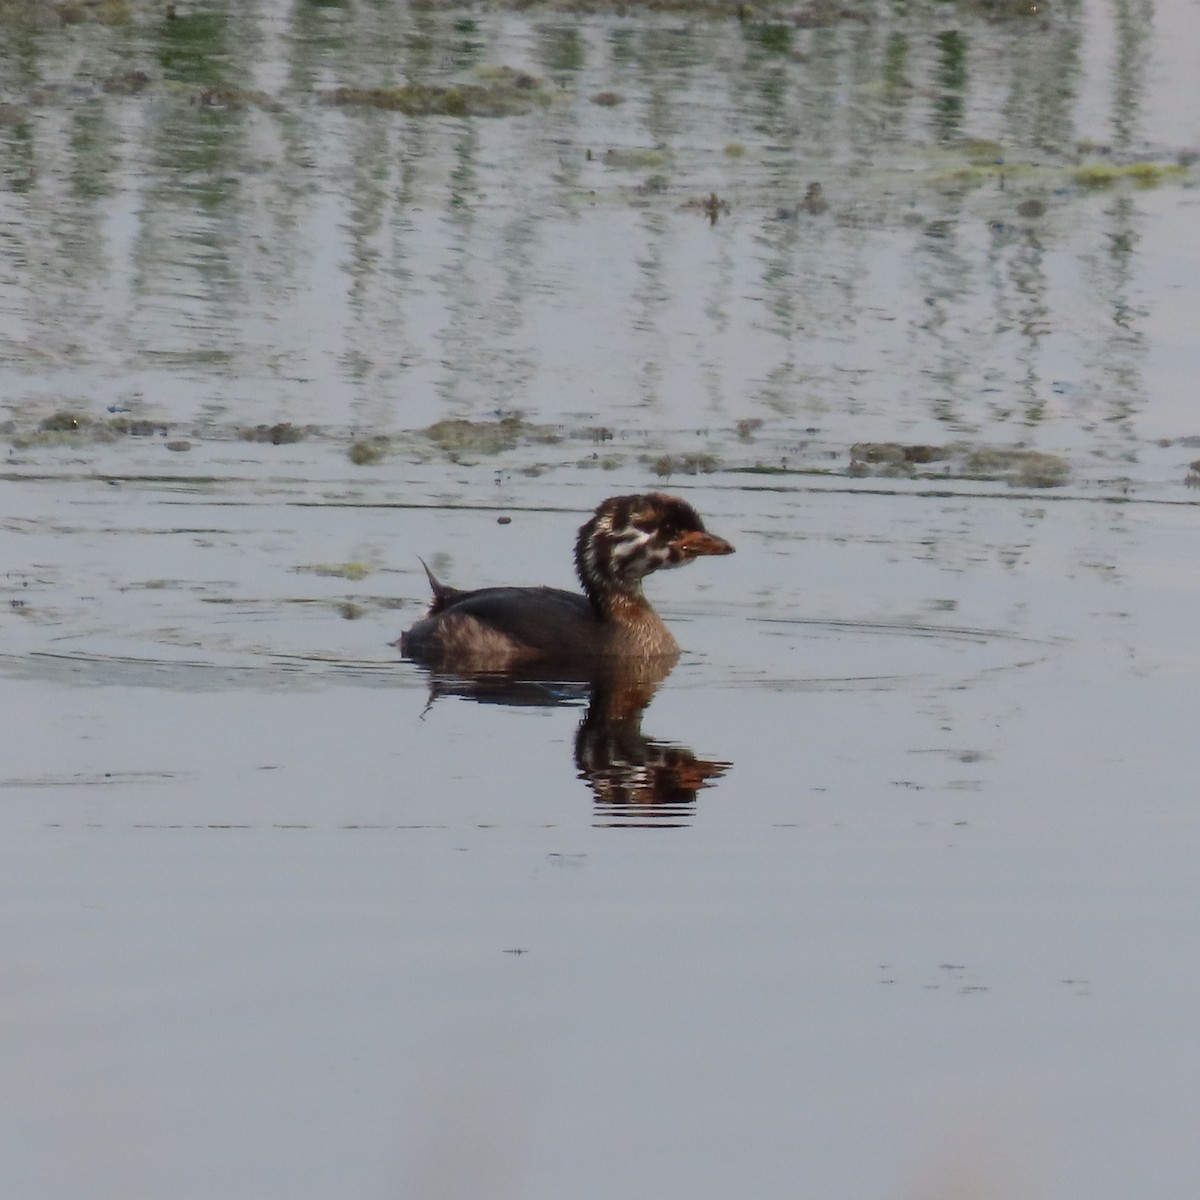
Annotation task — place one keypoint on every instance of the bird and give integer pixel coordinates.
(502, 628)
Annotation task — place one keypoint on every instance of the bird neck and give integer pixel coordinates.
(615, 595)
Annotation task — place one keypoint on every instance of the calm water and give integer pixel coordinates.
(889, 890)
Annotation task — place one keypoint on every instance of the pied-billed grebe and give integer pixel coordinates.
(496, 628)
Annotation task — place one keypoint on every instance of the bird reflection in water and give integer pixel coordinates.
(635, 780)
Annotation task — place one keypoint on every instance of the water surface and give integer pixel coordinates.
(899, 856)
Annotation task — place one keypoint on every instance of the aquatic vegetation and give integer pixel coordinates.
(369, 451)
(139, 427)
(692, 463)
(281, 434)
(353, 571)
(986, 163)
(814, 202)
(457, 435)
(70, 428)
(895, 453)
(64, 422)
(1141, 174)
(22, 12)
(500, 92)
(771, 36)
(712, 206)
(1017, 466)
(127, 83)
(825, 13)
(224, 96)
(716, 9)
(606, 462)
(976, 174)
(37, 14)
(636, 160)
(1005, 10)
(783, 467)
(981, 150)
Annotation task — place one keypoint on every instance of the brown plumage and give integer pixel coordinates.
(496, 628)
